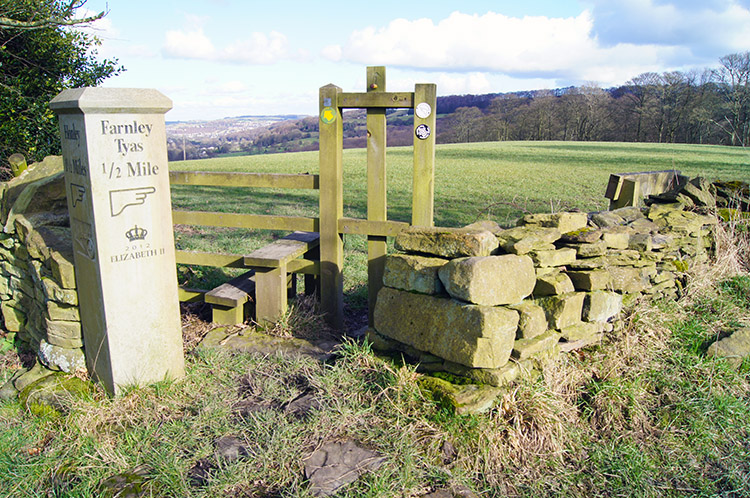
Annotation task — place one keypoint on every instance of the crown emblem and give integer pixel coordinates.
(136, 233)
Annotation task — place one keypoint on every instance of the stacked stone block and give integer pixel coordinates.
(39, 301)
(490, 303)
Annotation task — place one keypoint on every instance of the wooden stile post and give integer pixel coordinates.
(331, 207)
(423, 191)
(377, 247)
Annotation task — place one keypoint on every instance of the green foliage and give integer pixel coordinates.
(35, 65)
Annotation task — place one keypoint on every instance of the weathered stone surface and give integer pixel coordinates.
(230, 448)
(734, 348)
(475, 336)
(13, 318)
(53, 292)
(37, 175)
(617, 239)
(532, 320)
(526, 348)
(463, 399)
(656, 211)
(8, 390)
(497, 377)
(490, 280)
(42, 240)
(662, 287)
(600, 306)
(489, 225)
(521, 240)
(579, 331)
(59, 358)
(552, 285)
(562, 311)
(446, 242)
(565, 222)
(644, 225)
(32, 375)
(65, 334)
(12, 270)
(249, 341)
(607, 219)
(592, 250)
(628, 213)
(57, 311)
(558, 257)
(623, 257)
(335, 464)
(63, 269)
(627, 279)
(589, 280)
(568, 346)
(641, 242)
(53, 394)
(413, 273)
(699, 190)
(586, 235)
(137, 483)
(544, 271)
(684, 222)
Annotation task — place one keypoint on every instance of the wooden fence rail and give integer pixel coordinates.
(236, 292)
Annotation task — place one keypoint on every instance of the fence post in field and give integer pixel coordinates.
(117, 183)
(331, 207)
(377, 248)
(17, 164)
(425, 114)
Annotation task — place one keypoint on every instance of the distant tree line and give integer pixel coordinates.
(703, 107)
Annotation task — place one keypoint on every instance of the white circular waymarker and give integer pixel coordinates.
(423, 110)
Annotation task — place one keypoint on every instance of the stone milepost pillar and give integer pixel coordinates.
(117, 181)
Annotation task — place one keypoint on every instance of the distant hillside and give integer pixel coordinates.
(712, 107)
(243, 135)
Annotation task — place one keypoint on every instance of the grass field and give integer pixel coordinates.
(497, 180)
(644, 414)
(500, 181)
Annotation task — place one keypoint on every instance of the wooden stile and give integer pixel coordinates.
(423, 190)
(377, 247)
(331, 207)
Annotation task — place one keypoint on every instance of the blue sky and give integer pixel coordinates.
(219, 58)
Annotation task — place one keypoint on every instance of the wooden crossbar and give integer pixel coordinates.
(256, 180)
(234, 220)
(392, 100)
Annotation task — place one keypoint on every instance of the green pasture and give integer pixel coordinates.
(496, 180)
(500, 181)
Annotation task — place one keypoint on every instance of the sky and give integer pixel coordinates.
(223, 58)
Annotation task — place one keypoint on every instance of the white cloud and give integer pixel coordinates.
(193, 43)
(231, 87)
(569, 50)
(490, 42)
(332, 53)
(258, 49)
(706, 27)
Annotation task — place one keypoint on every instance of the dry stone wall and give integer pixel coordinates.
(490, 303)
(39, 301)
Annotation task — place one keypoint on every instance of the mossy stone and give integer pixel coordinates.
(52, 395)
